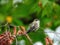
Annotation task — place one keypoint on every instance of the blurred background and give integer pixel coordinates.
(23, 12)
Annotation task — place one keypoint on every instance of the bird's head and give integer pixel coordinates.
(36, 21)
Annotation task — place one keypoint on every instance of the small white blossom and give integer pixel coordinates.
(49, 32)
(22, 42)
(38, 43)
(15, 1)
(54, 35)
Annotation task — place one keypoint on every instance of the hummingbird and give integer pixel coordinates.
(34, 26)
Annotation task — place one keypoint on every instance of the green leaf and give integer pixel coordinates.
(17, 22)
(6, 8)
(2, 18)
(21, 11)
(48, 9)
(44, 2)
(35, 8)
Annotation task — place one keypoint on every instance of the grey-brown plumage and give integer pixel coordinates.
(34, 26)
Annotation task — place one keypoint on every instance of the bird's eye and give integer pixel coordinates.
(36, 19)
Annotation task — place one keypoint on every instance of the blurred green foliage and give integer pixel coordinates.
(24, 12)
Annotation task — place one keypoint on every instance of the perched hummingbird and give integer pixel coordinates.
(34, 26)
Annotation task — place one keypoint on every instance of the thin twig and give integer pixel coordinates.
(29, 38)
(24, 33)
(16, 40)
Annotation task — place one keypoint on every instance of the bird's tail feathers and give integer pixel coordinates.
(28, 31)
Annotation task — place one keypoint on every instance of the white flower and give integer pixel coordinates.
(38, 43)
(15, 1)
(49, 32)
(58, 32)
(55, 43)
(54, 35)
(22, 42)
